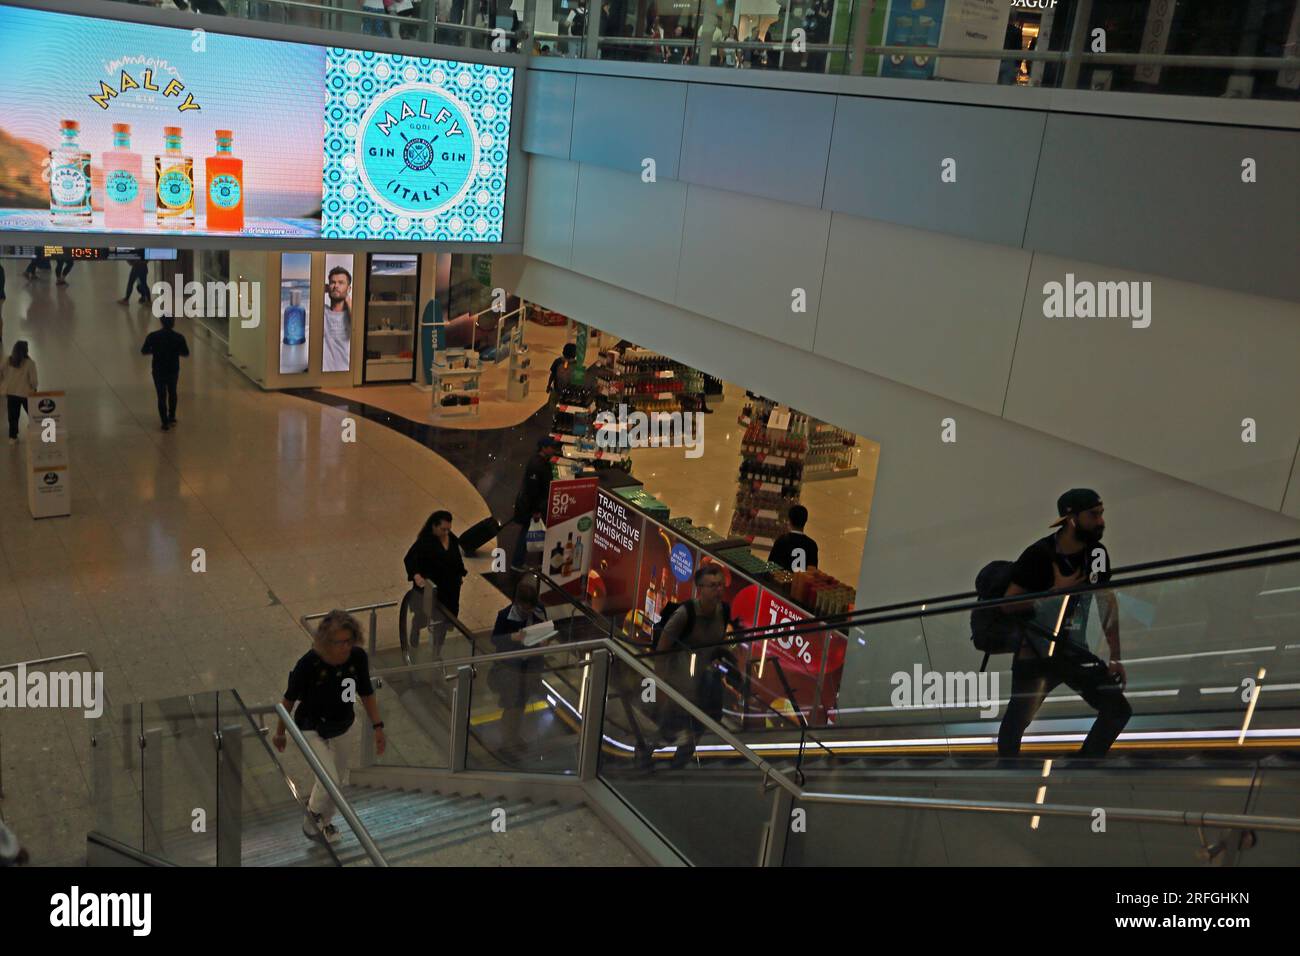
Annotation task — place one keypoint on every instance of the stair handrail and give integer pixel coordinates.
(340, 801)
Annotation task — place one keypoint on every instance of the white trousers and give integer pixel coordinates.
(335, 754)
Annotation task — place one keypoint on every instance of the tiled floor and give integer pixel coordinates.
(291, 519)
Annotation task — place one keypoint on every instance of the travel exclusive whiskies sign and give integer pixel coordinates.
(415, 148)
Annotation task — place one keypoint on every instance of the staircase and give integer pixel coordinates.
(414, 828)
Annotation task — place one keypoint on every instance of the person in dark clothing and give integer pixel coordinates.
(137, 279)
(784, 547)
(167, 346)
(531, 500)
(435, 557)
(1071, 556)
(560, 368)
(322, 688)
(514, 681)
(62, 268)
(38, 262)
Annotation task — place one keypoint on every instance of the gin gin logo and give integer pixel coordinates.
(655, 430)
(921, 689)
(417, 150)
(242, 300)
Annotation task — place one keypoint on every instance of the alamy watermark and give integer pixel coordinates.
(920, 689)
(633, 429)
(67, 689)
(1084, 299)
(242, 300)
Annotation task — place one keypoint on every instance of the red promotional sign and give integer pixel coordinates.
(800, 658)
(566, 556)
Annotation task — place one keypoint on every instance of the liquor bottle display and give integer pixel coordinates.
(174, 182)
(69, 179)
(123, 196)
(771, 476)
(295, 320)
(225, 186)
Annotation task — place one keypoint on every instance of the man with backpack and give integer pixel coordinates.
(1052, 647)
(699, 622)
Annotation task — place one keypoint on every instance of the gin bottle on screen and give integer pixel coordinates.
(123, 199)
(225, 181)
(69, 179)
(174, 180)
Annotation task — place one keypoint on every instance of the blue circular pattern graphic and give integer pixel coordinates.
(408, 151)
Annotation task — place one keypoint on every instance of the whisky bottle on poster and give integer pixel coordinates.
(225, 184)
(174, 182)
(69, 179)
(123, 198)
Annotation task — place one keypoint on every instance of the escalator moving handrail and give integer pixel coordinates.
(867, 618)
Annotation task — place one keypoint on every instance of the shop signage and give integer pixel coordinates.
(570, 521)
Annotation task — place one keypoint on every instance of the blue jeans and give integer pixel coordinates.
(374, 27)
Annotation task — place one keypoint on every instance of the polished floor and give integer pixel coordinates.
(291, 521)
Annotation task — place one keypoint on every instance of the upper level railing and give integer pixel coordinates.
(1243, 50)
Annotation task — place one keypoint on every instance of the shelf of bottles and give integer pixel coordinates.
(773, 453)
(832, 453)
(456, 375)
(575, 426)
(648, 382)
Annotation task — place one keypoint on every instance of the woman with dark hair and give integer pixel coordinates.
(17, 381)
(435, 556)
(323, 686)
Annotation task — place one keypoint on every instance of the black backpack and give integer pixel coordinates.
(993, 630)
(671, 608)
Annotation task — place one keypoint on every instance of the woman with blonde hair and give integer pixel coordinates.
(17, 382)
(323, 686)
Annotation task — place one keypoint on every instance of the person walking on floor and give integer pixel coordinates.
(62, 267)
(37, 260)
(137, 279)
(320, 694)
(167, 346)
(18, 382)
(2, 306)
(531, 500)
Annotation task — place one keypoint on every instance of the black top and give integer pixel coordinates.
(556, 379)
(783, 550)
(443, 566)
(1042, 568)
(537, 481)
(166, 346)
(318, 687)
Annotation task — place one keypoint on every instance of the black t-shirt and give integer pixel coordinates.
(318, 688)
(166, 346)
(783, 550)
(1042, 568)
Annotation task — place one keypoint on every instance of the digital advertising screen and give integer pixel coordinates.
(115, 127)
(336, 314)
(295, 311)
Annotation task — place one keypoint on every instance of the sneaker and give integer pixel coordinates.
(313, 829)
(126, 301)
(683, 755)
(165, 426)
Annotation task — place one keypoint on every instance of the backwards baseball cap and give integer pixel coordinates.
(1074, 501)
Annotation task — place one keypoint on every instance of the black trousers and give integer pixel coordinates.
(165, 386)
(63, 266)
(16, 404)
(136, 279)
(1033, 678)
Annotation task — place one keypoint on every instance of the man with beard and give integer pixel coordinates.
(337, 338)
(1071, 556)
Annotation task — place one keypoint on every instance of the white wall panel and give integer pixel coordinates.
(619, 122)
(1172, 396)
(548, 115)
(628, 232)
(928, 310)
(548, 226)
(742, 258)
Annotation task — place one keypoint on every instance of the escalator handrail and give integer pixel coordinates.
(770, 773)
(870, 616)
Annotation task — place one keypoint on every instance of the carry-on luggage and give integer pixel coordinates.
(479, 535)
